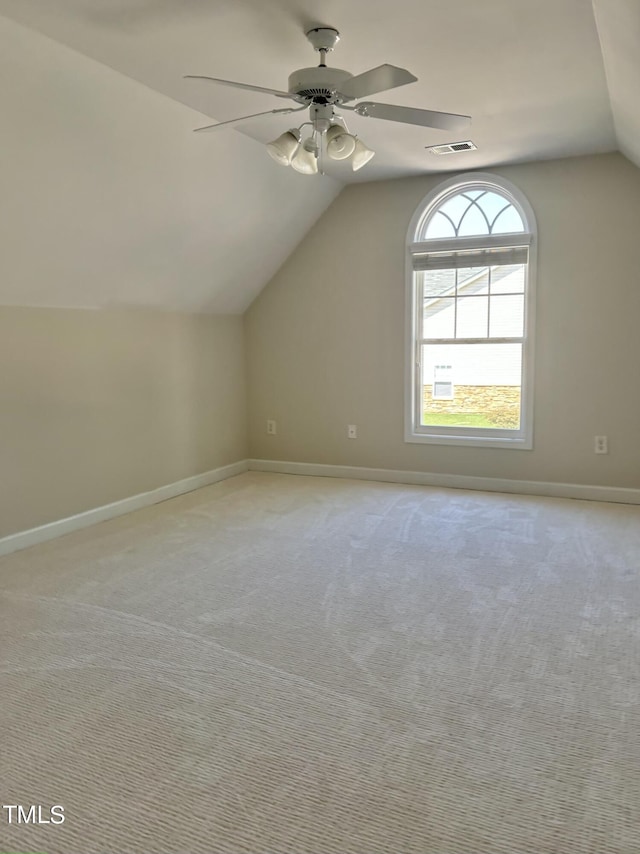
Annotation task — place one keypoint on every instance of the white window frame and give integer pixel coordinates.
(521, 439)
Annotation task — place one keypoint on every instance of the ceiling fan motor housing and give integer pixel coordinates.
(318, 85)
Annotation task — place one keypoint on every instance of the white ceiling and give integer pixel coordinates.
(619, 30)
(111, 200)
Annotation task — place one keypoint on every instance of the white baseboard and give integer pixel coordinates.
(618, 495)
(23, 539)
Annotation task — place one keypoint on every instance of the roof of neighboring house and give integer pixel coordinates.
(442, 282)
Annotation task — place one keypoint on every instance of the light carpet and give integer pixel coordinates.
(292, 664)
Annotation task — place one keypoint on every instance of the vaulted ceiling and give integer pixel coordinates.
(109, 199)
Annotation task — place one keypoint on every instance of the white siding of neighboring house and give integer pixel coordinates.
(498, 364)
(474, 364)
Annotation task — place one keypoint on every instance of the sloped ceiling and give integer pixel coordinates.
(109, 199)
(619, 28)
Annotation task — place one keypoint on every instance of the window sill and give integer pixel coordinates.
(520, 443)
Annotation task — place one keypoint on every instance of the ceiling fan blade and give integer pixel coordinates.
(248, 86)
(376, 80)
(209, 128)
(412, 116)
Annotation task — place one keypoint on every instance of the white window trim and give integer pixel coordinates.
(477, 437)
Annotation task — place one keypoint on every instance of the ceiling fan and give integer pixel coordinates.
(323, 91)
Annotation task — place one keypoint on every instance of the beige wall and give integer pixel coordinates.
(325, 338)
(97, 406)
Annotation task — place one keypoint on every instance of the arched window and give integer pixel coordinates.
(470, 307)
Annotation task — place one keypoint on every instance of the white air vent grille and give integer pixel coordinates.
(452, 147)
(443, 391)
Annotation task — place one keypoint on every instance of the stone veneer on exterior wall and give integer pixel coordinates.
(500, 403)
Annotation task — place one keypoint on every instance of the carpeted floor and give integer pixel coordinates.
(290, 664)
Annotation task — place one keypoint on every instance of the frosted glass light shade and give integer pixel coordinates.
(361, 155)
(284, 147)
(305, 160)
(340, 144)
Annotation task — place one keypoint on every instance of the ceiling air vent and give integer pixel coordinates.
(452, 147)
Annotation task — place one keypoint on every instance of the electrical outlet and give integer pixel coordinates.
(600, 445)
(352, 431)
(271, 427)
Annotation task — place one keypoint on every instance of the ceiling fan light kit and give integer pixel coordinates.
(340, 144)
(361, 155)
(285, 146)
(321, 90)
(305, 160)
